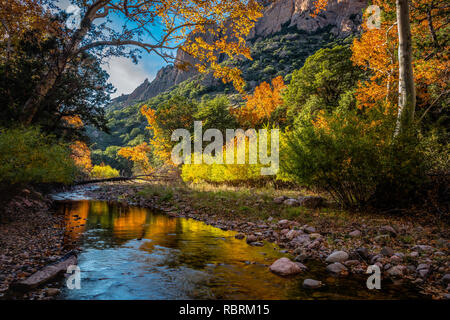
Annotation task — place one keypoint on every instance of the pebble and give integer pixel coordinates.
(251, 238)
(291, 202)
(337, 256)
(311, 284)
(336, 267)
(285, 267)
(387, 251)
(309, 229)
(397, 271)
(446, 279)
(355, 234)
(362, 252)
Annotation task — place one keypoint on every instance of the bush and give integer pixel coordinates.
(356, 159)
(219, 173)
(104, 172)
(29, 156)
(320, 83)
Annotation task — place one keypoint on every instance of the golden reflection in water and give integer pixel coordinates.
(197, 244)
(76, 219)
(235, 270)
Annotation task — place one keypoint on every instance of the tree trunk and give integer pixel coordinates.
(31, 107)
(406, 90)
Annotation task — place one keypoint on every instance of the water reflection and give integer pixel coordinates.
(133, 253)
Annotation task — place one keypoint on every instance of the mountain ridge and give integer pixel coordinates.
(344, 17)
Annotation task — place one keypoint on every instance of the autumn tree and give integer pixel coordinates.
(377, 52)
(406, 89)
(203, 29)
(82, 91)
(175, 113)
(261, 104)
(81, 155)
(139, 155)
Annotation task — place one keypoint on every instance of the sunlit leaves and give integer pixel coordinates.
(260, 105)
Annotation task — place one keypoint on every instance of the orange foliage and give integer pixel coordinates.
(159, 142)
(261, 104)
(376, 51)
(74, 121)
(20, 16)
(139, 156)
(81, 155)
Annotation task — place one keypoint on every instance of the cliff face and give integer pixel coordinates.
(342, 15)
(297, 13)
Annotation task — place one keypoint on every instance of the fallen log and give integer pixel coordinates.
(116, 179)
(47, 273)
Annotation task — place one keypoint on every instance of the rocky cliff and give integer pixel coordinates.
(343, 16)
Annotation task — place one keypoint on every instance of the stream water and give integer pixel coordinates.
(135, 253)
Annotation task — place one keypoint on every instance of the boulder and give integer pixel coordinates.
(311, 284)
(292, 234)
(311, 202)
(423, 248)
(315, 236)
(309, 229)
(336, 268)
(337, 256)
(301, 240)
(251, 238)
(283, 223)
(423, 266)
(240, 236)
(362, 252)
(279, 200)
(397, 271)
(355, 234)
(291, 202)
(396, 259)
(446, 279)
(350, 263)
(285, 267)
(387, 251)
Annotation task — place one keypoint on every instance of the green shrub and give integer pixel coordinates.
(29, 156)
(356, 159)
(104, 172)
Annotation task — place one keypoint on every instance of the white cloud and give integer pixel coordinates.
(125, 75)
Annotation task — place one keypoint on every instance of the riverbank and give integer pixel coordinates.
(31, 237)
(409, 247)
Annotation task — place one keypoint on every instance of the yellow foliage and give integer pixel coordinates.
(160, 144)
(104, 172)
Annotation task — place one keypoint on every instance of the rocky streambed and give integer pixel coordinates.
(407, 252)
(319, 255)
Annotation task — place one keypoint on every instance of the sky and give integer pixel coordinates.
(126, 76)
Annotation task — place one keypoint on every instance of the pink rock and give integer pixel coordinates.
(285, 267)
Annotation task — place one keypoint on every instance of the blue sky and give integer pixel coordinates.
(124, 74)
